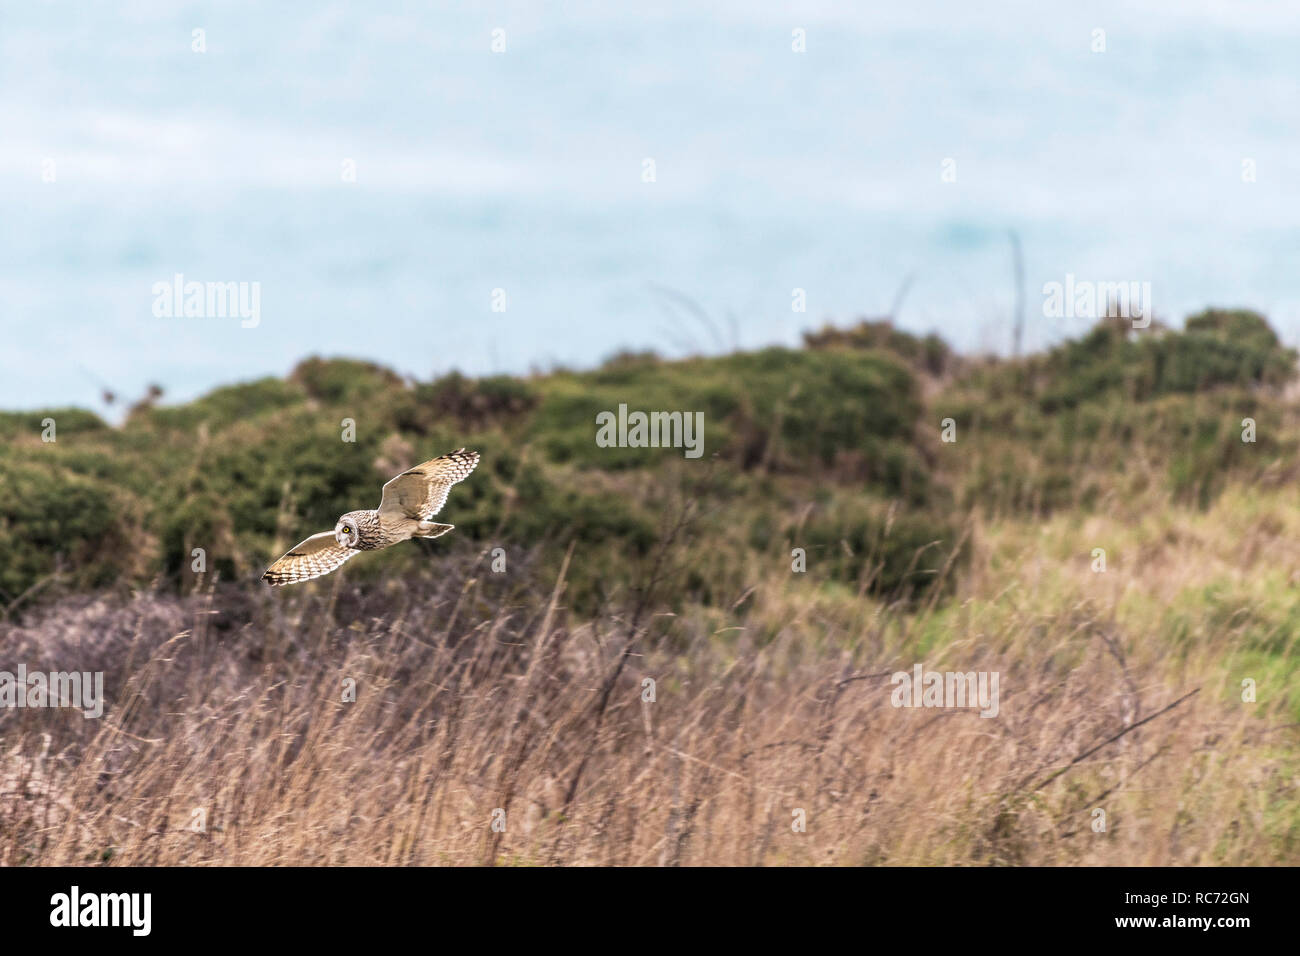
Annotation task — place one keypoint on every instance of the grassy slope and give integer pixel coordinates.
(523, 690)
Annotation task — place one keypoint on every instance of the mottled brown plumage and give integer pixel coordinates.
(405, 510)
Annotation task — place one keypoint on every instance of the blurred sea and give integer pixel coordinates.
(522, 171)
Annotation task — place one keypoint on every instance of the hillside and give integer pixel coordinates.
(865, 502)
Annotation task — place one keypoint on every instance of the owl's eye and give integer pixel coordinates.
(347, 530)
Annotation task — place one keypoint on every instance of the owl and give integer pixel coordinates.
(406, 510)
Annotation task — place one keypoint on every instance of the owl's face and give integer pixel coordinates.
(346, 532)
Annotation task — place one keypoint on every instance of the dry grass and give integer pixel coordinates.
(471, 698)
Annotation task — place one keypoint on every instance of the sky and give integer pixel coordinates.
(500, 187)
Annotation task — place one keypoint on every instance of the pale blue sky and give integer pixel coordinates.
(523, 171)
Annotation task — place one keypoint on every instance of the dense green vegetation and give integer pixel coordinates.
(1119, 411)
(833, 448)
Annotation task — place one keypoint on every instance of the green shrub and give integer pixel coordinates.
(899, 556)
(53, 521)
(340, 381)
(67, 422)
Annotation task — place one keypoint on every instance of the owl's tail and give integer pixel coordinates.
(431, 529)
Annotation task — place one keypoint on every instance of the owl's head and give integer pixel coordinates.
(346, 532)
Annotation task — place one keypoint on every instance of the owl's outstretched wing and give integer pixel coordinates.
(319, 554)
(420, 493)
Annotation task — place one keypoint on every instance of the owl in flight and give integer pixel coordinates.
(405, 511)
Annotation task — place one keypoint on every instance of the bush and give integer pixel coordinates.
(787, 411)
(53, 521)
(340, 381)
(67, 422)
(1058, 430)
(929, 353)
(893, 555)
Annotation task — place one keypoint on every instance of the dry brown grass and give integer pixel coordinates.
(471, 698)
